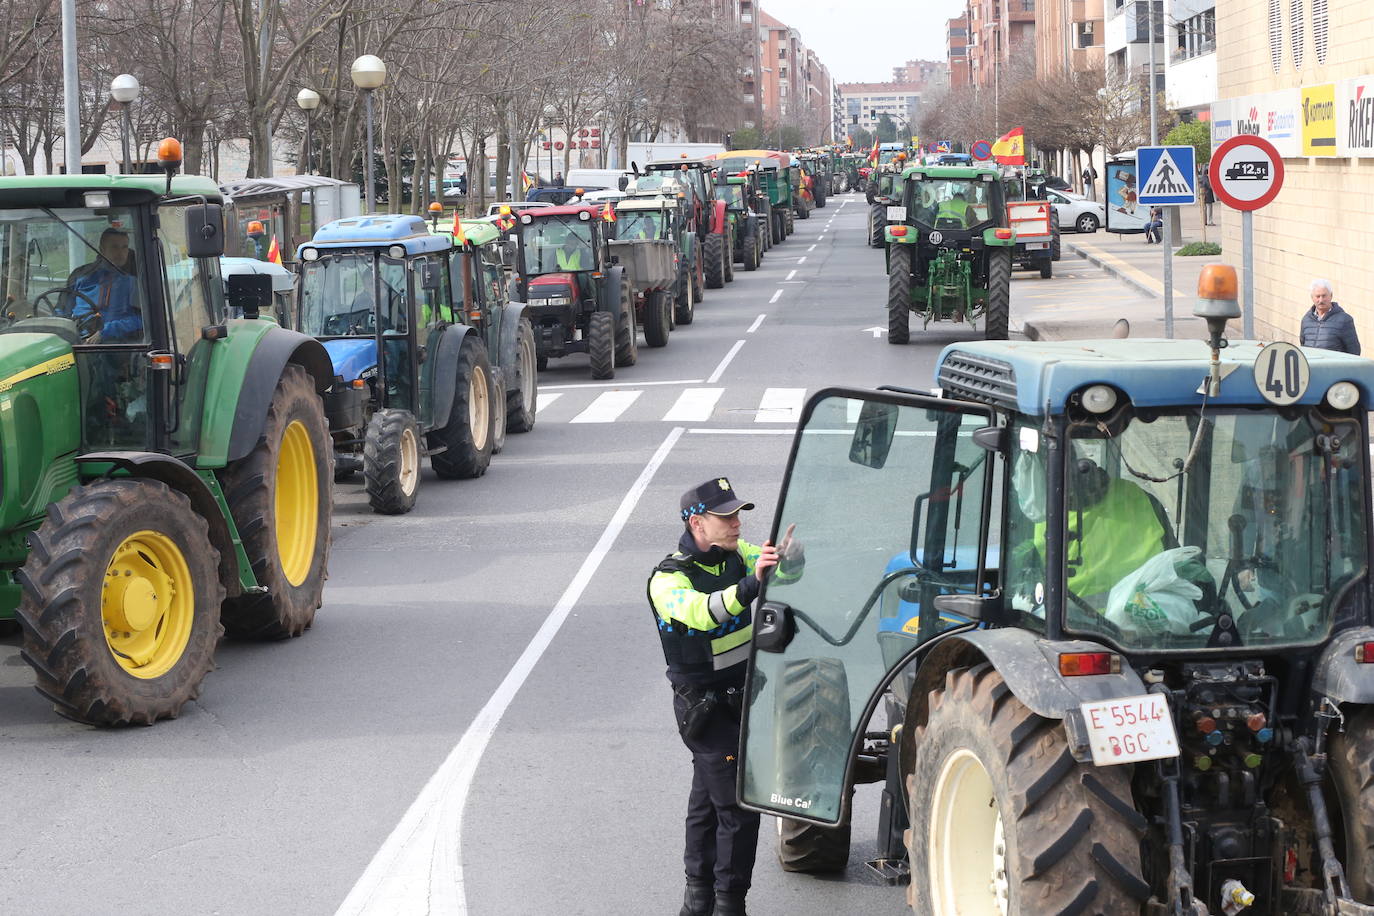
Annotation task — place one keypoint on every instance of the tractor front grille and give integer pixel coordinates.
(979, 378)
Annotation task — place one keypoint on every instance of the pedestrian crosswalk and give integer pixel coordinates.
(766, 406)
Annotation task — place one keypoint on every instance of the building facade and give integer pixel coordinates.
(956, 51)
(1069, 37)
(1302, 76)
(865, 104)
(1191, 75)
(999, 32)
(792, 86)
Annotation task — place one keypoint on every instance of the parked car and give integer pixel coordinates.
(1057, 183)
(1076, 211)
(516, 206)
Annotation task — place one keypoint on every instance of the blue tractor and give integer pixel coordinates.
(430, 358)
(1097, 615)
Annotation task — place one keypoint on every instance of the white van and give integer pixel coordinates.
(598, 179)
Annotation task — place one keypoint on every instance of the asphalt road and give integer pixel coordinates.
(478, 721)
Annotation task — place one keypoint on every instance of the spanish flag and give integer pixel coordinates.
(873, 153)
(1010, 148)
(459, 239)
(526, 182)
(274, 251)
(607, 213)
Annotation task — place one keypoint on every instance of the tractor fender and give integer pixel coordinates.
(718, 217)
(446, 370)
(608, 299)
(689, 246)
(511, 313)
(1338, 675)
(243, 374)
(1030, 666)
(181, 477)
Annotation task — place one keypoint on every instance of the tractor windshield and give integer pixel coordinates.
(557, 243)
(639, 224)
(950, 203)
(1198, 530)
(339, 294)
(733, 195)
(73, 272)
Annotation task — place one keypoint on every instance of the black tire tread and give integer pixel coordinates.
(626, 332)
(713, 260)
(382, 461)
(462, 458)
(657, 318)
(813, 697)
(899, 295)
(520, 414)
(601, 344)
(997, 315)
(1352, 776)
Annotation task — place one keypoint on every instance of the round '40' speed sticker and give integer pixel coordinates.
(1282, 373)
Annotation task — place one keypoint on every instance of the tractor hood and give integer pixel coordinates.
(546, 285)
(353, 357)
(26, 356)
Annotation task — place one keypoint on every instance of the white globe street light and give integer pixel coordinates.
(308, 100)
(368, 74)
(124, 89)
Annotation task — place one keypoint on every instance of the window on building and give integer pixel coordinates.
(1196, 36)
(782, 54)
(1085, 34)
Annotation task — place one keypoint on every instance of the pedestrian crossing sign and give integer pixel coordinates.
(1168, 175)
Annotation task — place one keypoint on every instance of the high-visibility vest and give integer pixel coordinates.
(569, 260)
(953, 209)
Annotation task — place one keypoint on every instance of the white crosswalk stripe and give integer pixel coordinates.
(546, 400)
(780, 405)
(607, 407)
(695, 405)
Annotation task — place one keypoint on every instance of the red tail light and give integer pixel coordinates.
(1077, 664)
(1002, 233)
(899, 231)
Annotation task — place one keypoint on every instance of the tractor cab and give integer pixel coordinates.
(558, 250)
(955, 201)
(1110, 597)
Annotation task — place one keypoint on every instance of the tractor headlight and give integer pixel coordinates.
(310, 254)
(1098, 398)
(1343, 395)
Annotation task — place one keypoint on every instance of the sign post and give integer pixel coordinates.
(1246, 173)
(1168, 178)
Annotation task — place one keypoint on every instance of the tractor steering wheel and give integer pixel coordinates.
(87, 324)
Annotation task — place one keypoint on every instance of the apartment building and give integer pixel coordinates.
(956, 51)
(792, 85)
(999, 32)
(1068, 38)
(866, 103)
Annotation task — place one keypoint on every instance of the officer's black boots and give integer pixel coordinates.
(730, 903)
(697, 900)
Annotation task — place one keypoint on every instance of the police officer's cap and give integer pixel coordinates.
(715, 496)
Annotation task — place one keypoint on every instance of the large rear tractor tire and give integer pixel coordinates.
(713, 256)
(899, 294)
(626, 331)
(699, 276)
(778, 228)
(658, 316)
(1352, 775)
(766, 228)
(601, 344)
(522, 400)
(469, 435)
(790, 218)
(997, 315)
(753, 250)
(803, 213)
(730, 257)
(685, 305)
(1056, 245)
(391, 461)
(877, 222)
(281, 499)
(1005, 821)
(812, 700)
(120, 603)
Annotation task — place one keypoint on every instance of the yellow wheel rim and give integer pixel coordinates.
(479, 408)
(147, 604)
(297, 503)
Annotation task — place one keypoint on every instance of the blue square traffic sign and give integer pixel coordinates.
(1167, 174)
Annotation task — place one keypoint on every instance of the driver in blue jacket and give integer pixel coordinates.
(104, 293)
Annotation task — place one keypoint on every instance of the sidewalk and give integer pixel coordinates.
(1129, 259)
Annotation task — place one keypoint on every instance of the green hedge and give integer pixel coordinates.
(1197, 248)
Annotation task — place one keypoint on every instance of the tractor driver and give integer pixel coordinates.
(573, 254)
(105, 292)
(955, 208)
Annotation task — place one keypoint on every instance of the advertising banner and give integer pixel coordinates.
(1355, 117)
(1319, 120)
(1124, 210)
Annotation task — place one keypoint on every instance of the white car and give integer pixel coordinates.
(1077, 212)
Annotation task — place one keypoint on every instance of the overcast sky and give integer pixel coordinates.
(862, 40)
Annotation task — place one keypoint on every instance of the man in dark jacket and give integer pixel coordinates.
(1326, 325)
(702, 597)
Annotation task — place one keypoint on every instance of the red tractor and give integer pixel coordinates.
(706, 216)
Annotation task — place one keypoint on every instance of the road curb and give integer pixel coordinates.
(1111, 268)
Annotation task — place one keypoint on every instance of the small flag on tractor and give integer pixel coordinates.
(607, 213)
(526, 182)
(459, 239)
(274, 252)
(873, 153)
(1010, 148)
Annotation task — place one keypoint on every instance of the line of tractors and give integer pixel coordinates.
(951, 235)
(172, 422)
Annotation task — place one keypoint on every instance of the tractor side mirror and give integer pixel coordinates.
(992, 438)
(873, 434)
(623, 183)
(205, 231)
(991, 609)
(429, 276)
(249, 293)
(508, 253)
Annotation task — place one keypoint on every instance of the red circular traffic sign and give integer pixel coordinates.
(1246, 172)
(982, 150)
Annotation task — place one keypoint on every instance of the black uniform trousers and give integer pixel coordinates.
(722, 838)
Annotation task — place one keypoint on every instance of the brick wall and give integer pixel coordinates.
(1322, 222)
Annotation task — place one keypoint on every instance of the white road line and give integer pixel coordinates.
(419, 869)
(607, 407)
(790, 275)
(812, 248)
(706, 431)
(801, 259)
(695, 405)
(780, 405)
(676, 381)
(776, 297)
(544, 400)
(757, 321)
(720, 367)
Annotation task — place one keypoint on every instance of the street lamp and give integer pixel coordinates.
(369, 73)
(124, 90)
(308, 100)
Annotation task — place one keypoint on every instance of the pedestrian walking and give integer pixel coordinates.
(1209, 197)
(701, 597)
(1326, 325)
(1089, 175)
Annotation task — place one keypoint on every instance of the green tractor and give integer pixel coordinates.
(948, 254)
(737, 191)
(167, 469)
(774, 173)
(432, 361)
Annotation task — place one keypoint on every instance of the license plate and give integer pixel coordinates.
(1036, 246)
(1130, 729)
(896, 214)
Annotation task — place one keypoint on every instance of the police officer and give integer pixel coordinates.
(701, 596)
